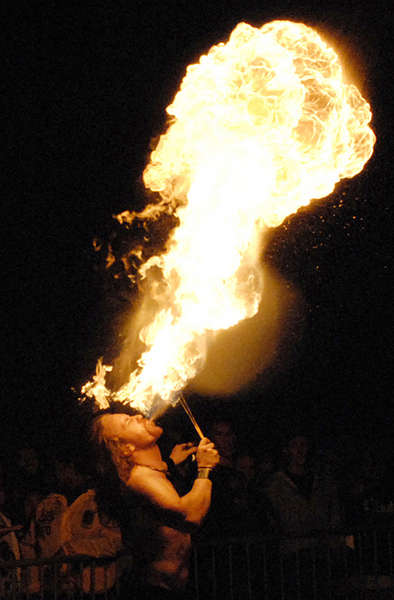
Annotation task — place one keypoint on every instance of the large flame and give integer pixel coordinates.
(261, 125)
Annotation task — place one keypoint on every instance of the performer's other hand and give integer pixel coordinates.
(180, 452)
(207, 455)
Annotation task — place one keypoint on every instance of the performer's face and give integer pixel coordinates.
(135, 429)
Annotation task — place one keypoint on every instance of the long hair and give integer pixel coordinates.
(111, 465)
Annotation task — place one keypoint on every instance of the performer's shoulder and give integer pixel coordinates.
(141, 475)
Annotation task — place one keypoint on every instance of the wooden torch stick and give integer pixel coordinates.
(189, 413)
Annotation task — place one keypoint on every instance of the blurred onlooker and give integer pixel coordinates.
(223, 435)
(9, 547)
(256, 471)
(303, 502)
(27, 484)
(245, 462)
(84, 530)
(306, 511)
(47, 521)
(68, 480)
(42, 540)
(265, 466)
(2, 488)
(363, 487)
(229, 512)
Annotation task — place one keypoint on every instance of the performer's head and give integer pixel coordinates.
(116, 433)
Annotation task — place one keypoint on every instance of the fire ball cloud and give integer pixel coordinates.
(261, 125)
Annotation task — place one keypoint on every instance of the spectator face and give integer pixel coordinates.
(67, 474)
(223, 436)
(28, 460)
(135, 429)
(267, 463)
(31, 502)
(246, 465)
(297, 451)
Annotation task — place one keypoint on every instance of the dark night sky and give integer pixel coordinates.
(88, 88)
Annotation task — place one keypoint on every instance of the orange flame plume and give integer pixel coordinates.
(260, 126)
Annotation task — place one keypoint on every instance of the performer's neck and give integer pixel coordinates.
(149, 457)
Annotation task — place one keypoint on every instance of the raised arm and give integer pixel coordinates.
(155, 486)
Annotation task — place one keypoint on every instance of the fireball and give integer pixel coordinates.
(262, 125)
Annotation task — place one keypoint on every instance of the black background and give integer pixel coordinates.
(88, 85)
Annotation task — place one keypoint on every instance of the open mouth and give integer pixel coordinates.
(152, 423)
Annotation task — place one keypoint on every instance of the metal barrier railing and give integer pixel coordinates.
(63, 578)
(324, 566)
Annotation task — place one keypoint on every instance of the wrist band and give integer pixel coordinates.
(204, 473)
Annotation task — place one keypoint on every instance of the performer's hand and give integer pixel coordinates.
(180, 452)
(207, 455)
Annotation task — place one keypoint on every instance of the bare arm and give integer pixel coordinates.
(155, 486)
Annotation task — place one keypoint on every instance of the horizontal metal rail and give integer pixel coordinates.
(327, 565)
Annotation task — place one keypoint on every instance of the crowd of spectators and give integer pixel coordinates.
(293, 489)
